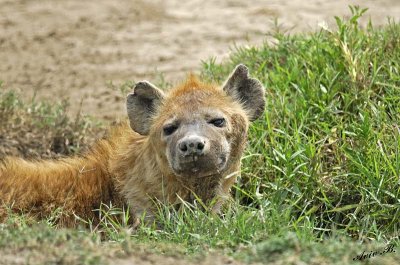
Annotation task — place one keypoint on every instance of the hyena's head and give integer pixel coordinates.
(197, 129)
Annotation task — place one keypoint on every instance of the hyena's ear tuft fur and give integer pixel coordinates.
(248, 91)
(142, 105)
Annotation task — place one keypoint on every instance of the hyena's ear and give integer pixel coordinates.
(248, 91)
(142, 105)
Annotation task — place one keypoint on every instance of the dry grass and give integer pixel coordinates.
(41, 129)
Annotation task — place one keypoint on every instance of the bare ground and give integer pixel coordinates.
(74, 49)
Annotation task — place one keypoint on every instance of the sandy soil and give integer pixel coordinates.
(75, 49)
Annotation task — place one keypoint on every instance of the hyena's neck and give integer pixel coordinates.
(137, 175)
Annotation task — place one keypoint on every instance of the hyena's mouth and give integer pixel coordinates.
(200, 166)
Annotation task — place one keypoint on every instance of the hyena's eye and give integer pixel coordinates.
(219, 122)
(170, 129)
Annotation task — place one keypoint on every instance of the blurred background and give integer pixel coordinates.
(77, 49)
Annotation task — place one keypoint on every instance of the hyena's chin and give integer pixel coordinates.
(199, 166)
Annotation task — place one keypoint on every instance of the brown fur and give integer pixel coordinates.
(125, 167)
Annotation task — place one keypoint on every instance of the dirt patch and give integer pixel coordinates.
(75, 49)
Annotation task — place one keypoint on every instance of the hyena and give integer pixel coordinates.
(179, 145)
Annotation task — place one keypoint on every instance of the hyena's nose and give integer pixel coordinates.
(193, 145)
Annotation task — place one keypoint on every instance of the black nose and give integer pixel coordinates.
(192, 145)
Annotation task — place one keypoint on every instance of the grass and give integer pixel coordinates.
(41, 129)
(328, 148)
(320, 177)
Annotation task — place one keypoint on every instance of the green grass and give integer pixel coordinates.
(320, 177)
(327, 150)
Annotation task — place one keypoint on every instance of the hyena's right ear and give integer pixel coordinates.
(142, 106)
(246, 90)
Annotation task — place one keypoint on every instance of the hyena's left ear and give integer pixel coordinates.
(142, 105)
(248, 91)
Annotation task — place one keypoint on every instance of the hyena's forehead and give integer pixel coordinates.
(194, 113)
(195, 105)
(193, 90)
(200, 95)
